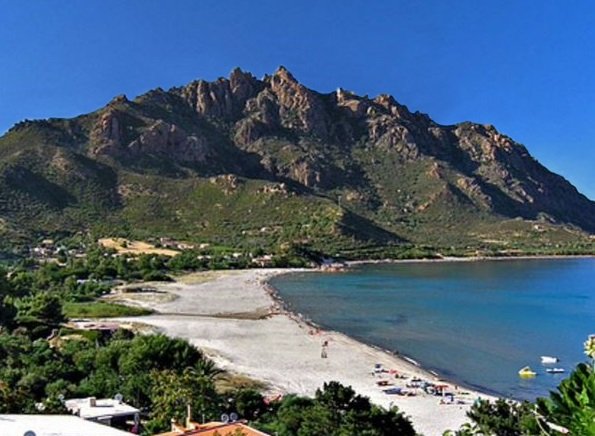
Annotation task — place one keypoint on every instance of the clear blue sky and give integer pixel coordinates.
(526, 67)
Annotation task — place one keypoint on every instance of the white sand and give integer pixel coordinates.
(224, 318)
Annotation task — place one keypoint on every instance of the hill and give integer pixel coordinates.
(260, 162)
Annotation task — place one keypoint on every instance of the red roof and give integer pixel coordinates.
(219, 429)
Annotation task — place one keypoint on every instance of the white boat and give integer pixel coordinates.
(549, 359)
(555, 370)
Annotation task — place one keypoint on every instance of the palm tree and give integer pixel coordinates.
(206, 368)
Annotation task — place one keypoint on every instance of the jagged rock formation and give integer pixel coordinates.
(370, 159)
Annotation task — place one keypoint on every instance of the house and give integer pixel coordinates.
(54, 425)
(110, 412)
(213, 429)
(330, 265)
(226, 428)
(263, 261)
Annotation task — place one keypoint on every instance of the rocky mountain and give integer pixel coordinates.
(250, 161)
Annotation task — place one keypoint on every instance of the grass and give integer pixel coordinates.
(136, 248)
(231, 382)
(99, 309)
(203, 276)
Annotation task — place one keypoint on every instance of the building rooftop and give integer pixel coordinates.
(90, 408)
(215, 429)
(54, 425)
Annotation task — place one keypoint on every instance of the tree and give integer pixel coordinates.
(502, 418)
(289, 417)
(7, 309)
(40, 313)
(249, 404)
(145, 353)
(335, 410)
(172, 392)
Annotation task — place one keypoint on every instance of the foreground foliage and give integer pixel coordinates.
(161, 376)
(335, 410)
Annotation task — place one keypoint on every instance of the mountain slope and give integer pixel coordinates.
(258, 162)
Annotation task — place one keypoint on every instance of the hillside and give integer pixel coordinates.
(248, 162)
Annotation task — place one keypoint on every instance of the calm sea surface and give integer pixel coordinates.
(476, 323)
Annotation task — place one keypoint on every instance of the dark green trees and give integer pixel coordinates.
(7, 310)
(173, 391)
(336, 410)
(40, 313)
(501, 418)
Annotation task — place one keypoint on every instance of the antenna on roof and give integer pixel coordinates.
(233, 417)
(119, 398)
(225, 418)
(30, 433)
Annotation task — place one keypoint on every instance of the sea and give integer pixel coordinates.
(475, 323)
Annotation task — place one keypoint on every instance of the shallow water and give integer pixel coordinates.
(476, 323)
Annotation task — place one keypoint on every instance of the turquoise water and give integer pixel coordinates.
(476, 323)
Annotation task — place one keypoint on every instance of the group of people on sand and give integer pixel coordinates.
(415, 386)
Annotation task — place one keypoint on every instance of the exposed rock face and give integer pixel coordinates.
(159, 138)
(224, 98)
(305, 174)
(299, 108)
(474, 191)
(169, 139)
(261, 118)
(107, 134)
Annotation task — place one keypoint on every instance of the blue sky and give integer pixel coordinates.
(526, 67)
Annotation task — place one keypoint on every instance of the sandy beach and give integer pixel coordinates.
(234, 317)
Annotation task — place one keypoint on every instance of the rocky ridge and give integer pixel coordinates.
(387, 164)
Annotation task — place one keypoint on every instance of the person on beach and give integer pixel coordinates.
(323, 352)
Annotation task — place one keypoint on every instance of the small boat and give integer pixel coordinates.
(527, 372)
(549, 359)
(555, 370)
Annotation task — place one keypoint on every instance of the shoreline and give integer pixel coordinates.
(283, 349)
(350, 263)
(434, 371)
(298, 317)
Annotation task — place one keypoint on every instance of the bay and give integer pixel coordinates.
(476, 323)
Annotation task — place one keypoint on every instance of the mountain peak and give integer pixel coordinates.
(119, 99)
(237, 73)
(284, 74)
